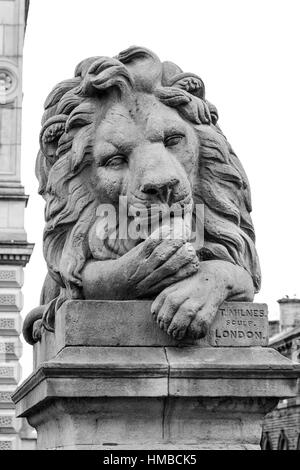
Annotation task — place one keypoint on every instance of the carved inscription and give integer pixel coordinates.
(240, 325)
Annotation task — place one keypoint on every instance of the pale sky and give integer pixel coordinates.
(247, 53)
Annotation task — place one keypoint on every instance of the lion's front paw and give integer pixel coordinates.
(178, 315)
(189, 306)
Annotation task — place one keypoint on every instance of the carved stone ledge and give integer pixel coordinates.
(237, 324)
(15, 253)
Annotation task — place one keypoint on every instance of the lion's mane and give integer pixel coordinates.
(66, 141)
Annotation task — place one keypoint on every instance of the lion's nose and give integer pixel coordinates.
(163, 191)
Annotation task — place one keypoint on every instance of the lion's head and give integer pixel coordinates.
(133, 125)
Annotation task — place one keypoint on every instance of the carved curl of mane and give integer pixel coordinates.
(66, 139)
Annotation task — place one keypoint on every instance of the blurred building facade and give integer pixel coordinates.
(281, 428)
(15, 251)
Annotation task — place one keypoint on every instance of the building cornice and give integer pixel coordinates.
(16, 253)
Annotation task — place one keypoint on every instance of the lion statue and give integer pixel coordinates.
(141, 129)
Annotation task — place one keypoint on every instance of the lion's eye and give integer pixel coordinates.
(173, 140)
(116, 161)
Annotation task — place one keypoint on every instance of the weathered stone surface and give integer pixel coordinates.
(130, 323)
(10, 348)
(154, 397)
(137, 424)
(9, 424)
(8, 13)
(6, 392)
(240, 324)
(9, 442)
(250, 372)
(12, 219)
(10, 372)
(13, 42)
(11, 300)
(10, 324)
(104, 323)
(11, 276)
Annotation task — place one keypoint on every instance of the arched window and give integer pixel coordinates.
(266, 443)
(283, 442)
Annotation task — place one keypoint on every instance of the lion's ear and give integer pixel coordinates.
(50, 134)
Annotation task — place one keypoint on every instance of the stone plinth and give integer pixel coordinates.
(109, 378)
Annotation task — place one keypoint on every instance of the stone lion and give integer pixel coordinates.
(137, 127)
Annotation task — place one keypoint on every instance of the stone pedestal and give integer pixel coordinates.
(110, 379)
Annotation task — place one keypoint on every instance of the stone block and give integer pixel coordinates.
(130, 323)
(8, 129)
(12, 219)
(108, 323)
(11, 300)
(10, 324)
(9, 442)
(10, 348)
(1, 39)
(9, 424)
(235, 372)
(8, 12)
(10, 372)
(11, 276)
(7, 160)
(240, 324)
(13, 40)
(6, 392)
